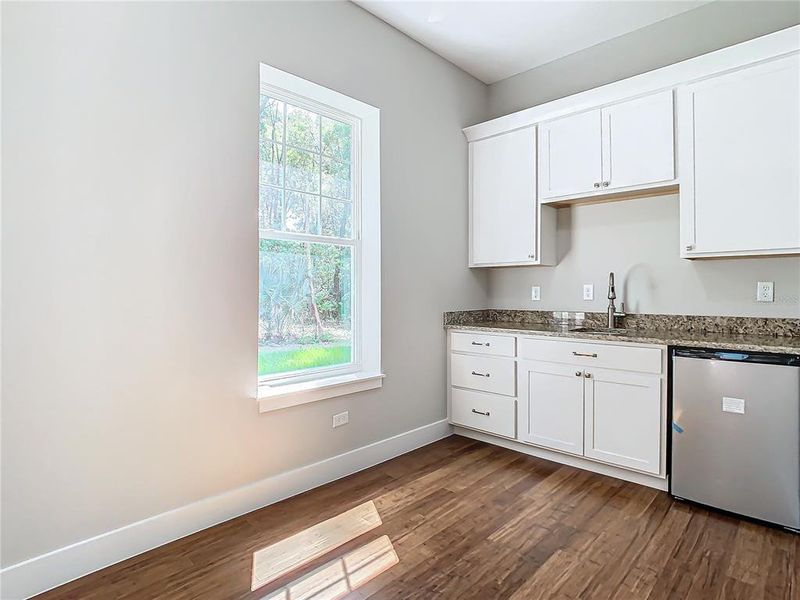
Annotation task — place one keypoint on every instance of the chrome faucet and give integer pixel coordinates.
(612, 309)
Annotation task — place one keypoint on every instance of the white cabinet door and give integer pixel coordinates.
(550, 406)
(739, 138)
(570, 155)
(623, 419)
(503, 198)
(638, 142)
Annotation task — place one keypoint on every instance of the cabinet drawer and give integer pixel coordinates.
(486, 412)
(480, 343)
(485, 373)
(608, 356)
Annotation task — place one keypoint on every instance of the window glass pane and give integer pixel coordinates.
(335, 178)
(302, 170)
(269, 207)
(336, 139)
(302, 213)
(302, 128)
(271, 120)
(336, 218)
(305, 306)
(270, 163)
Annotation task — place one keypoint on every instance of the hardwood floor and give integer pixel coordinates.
(463, 519)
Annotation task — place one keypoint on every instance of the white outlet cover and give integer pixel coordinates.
(342, 418)
(536, 293)
(765, 291)
(588, 291)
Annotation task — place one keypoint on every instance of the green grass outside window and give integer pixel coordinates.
(272, 361)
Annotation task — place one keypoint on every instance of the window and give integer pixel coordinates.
(319, 242)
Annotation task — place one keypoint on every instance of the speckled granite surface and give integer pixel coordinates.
(735, 333)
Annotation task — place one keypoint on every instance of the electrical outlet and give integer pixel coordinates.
(536, 293)
(343, 418)
(765, 291)
(588, 291)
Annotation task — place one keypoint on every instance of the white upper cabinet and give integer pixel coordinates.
(731, 118)
(506, 225)
(570, 155)
(638, 142)
(621, 146)
(740, 162)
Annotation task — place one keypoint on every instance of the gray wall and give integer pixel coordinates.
(129, 241)
(638, 239)
(710, 27)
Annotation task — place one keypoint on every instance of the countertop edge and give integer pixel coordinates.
(656, 338)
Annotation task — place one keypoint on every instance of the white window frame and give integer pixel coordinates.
(290, 389)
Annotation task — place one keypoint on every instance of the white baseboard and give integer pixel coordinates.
(60, 566)
(659, 483)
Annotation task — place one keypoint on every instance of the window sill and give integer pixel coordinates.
(277, 397)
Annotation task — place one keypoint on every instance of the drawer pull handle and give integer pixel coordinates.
(592, 355)
(477, 412)
(480, 374)
(480, 344)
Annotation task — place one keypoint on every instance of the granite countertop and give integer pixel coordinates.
(748, 342)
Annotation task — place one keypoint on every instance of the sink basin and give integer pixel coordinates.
(599, 330)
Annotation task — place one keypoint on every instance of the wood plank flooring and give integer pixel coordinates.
(462, 519)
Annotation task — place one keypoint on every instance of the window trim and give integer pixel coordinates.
(289, 389)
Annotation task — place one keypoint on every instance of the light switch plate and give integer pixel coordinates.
(342, 418)
(588, 291)
(765, 291)
(536, 293)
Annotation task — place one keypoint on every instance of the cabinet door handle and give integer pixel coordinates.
(587, 375)
(481, 374)
(578, 373)
(597, 185)
(605, 184)
(480, 344)
(477, 412)
(689, 247)
(592, 355)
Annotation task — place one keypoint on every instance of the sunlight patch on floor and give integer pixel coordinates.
(339, 577)
(295, 551)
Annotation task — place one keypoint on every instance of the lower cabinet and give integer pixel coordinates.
(551, 406)
(623, 419)
(483, 373)
(602, 402)
(485, 412)
(603, 414)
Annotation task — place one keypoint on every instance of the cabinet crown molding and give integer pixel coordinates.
(688, 71)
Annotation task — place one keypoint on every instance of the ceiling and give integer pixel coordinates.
(495, 40)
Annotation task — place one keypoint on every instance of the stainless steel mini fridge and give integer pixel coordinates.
(736, 432)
